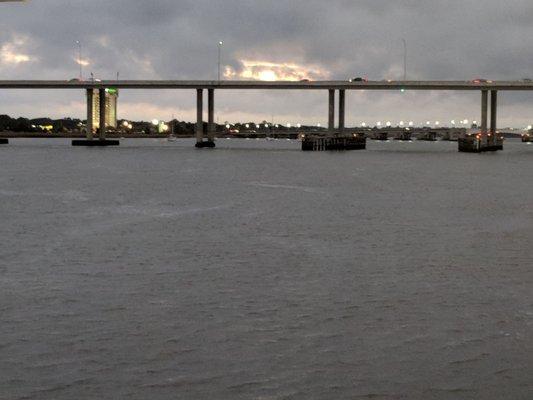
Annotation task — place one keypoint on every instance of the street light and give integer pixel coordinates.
(219, 54)
(79, 59)
(404, 60)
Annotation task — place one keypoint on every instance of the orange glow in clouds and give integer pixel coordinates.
(270, 71)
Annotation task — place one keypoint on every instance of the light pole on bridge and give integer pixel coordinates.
(404, 59)
(80, 62)
(219, 55)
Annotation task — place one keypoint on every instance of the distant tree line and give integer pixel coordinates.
(65, 125)
(34, 125)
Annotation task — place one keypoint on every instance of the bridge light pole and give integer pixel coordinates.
(80, 62)
(219, 55)
(404, 60)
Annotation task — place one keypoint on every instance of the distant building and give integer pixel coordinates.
(111, 100)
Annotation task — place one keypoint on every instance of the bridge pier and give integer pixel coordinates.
(331, 111)
(211, 127)
(493, 118)
(200, 143)
(102, 141)
(342, 103)
(484, 113)
(89, 125)
(487, 139)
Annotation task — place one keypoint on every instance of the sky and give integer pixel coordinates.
(269, 39)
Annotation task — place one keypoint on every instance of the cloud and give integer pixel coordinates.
(272, 71)
(12, 53)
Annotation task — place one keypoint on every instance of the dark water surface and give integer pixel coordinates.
(256, 271)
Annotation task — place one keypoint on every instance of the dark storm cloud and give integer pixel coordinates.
(178, 39)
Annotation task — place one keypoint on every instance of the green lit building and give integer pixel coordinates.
(111, 100)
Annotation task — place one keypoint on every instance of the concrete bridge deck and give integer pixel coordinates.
(247, 85)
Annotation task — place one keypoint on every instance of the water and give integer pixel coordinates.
(256, 271)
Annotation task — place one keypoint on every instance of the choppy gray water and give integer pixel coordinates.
(257, 271)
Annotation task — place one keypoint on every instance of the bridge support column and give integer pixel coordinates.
(101, 119)
(489, 140)
(199, 117)
(484, 113)
(89, 125)
(342, 102)
(102, 141)
(493, 116)
(200, 143)
(211, 127)
(331, 109)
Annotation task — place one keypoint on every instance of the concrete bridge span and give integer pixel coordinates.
(335, 89)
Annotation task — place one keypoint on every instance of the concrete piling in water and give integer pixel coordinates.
(89, 126)
(342, 103)
(485, 140)
(211, 127)
(331, 111)
(200, 143)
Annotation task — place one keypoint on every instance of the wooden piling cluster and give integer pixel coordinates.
(354, 141)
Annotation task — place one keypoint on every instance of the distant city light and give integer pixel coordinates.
(388, 123)
(437, 123)
(299, 125)
(379, 123)
(155, 122)
(401, 123)
(247, 126)
(288, 125)
(363, 124)
(453, 122)
(529, 127)
(318, 125)
(428, 123)
(228, 126)
(411, 123)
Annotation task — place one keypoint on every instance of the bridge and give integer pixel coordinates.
(487, 135)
